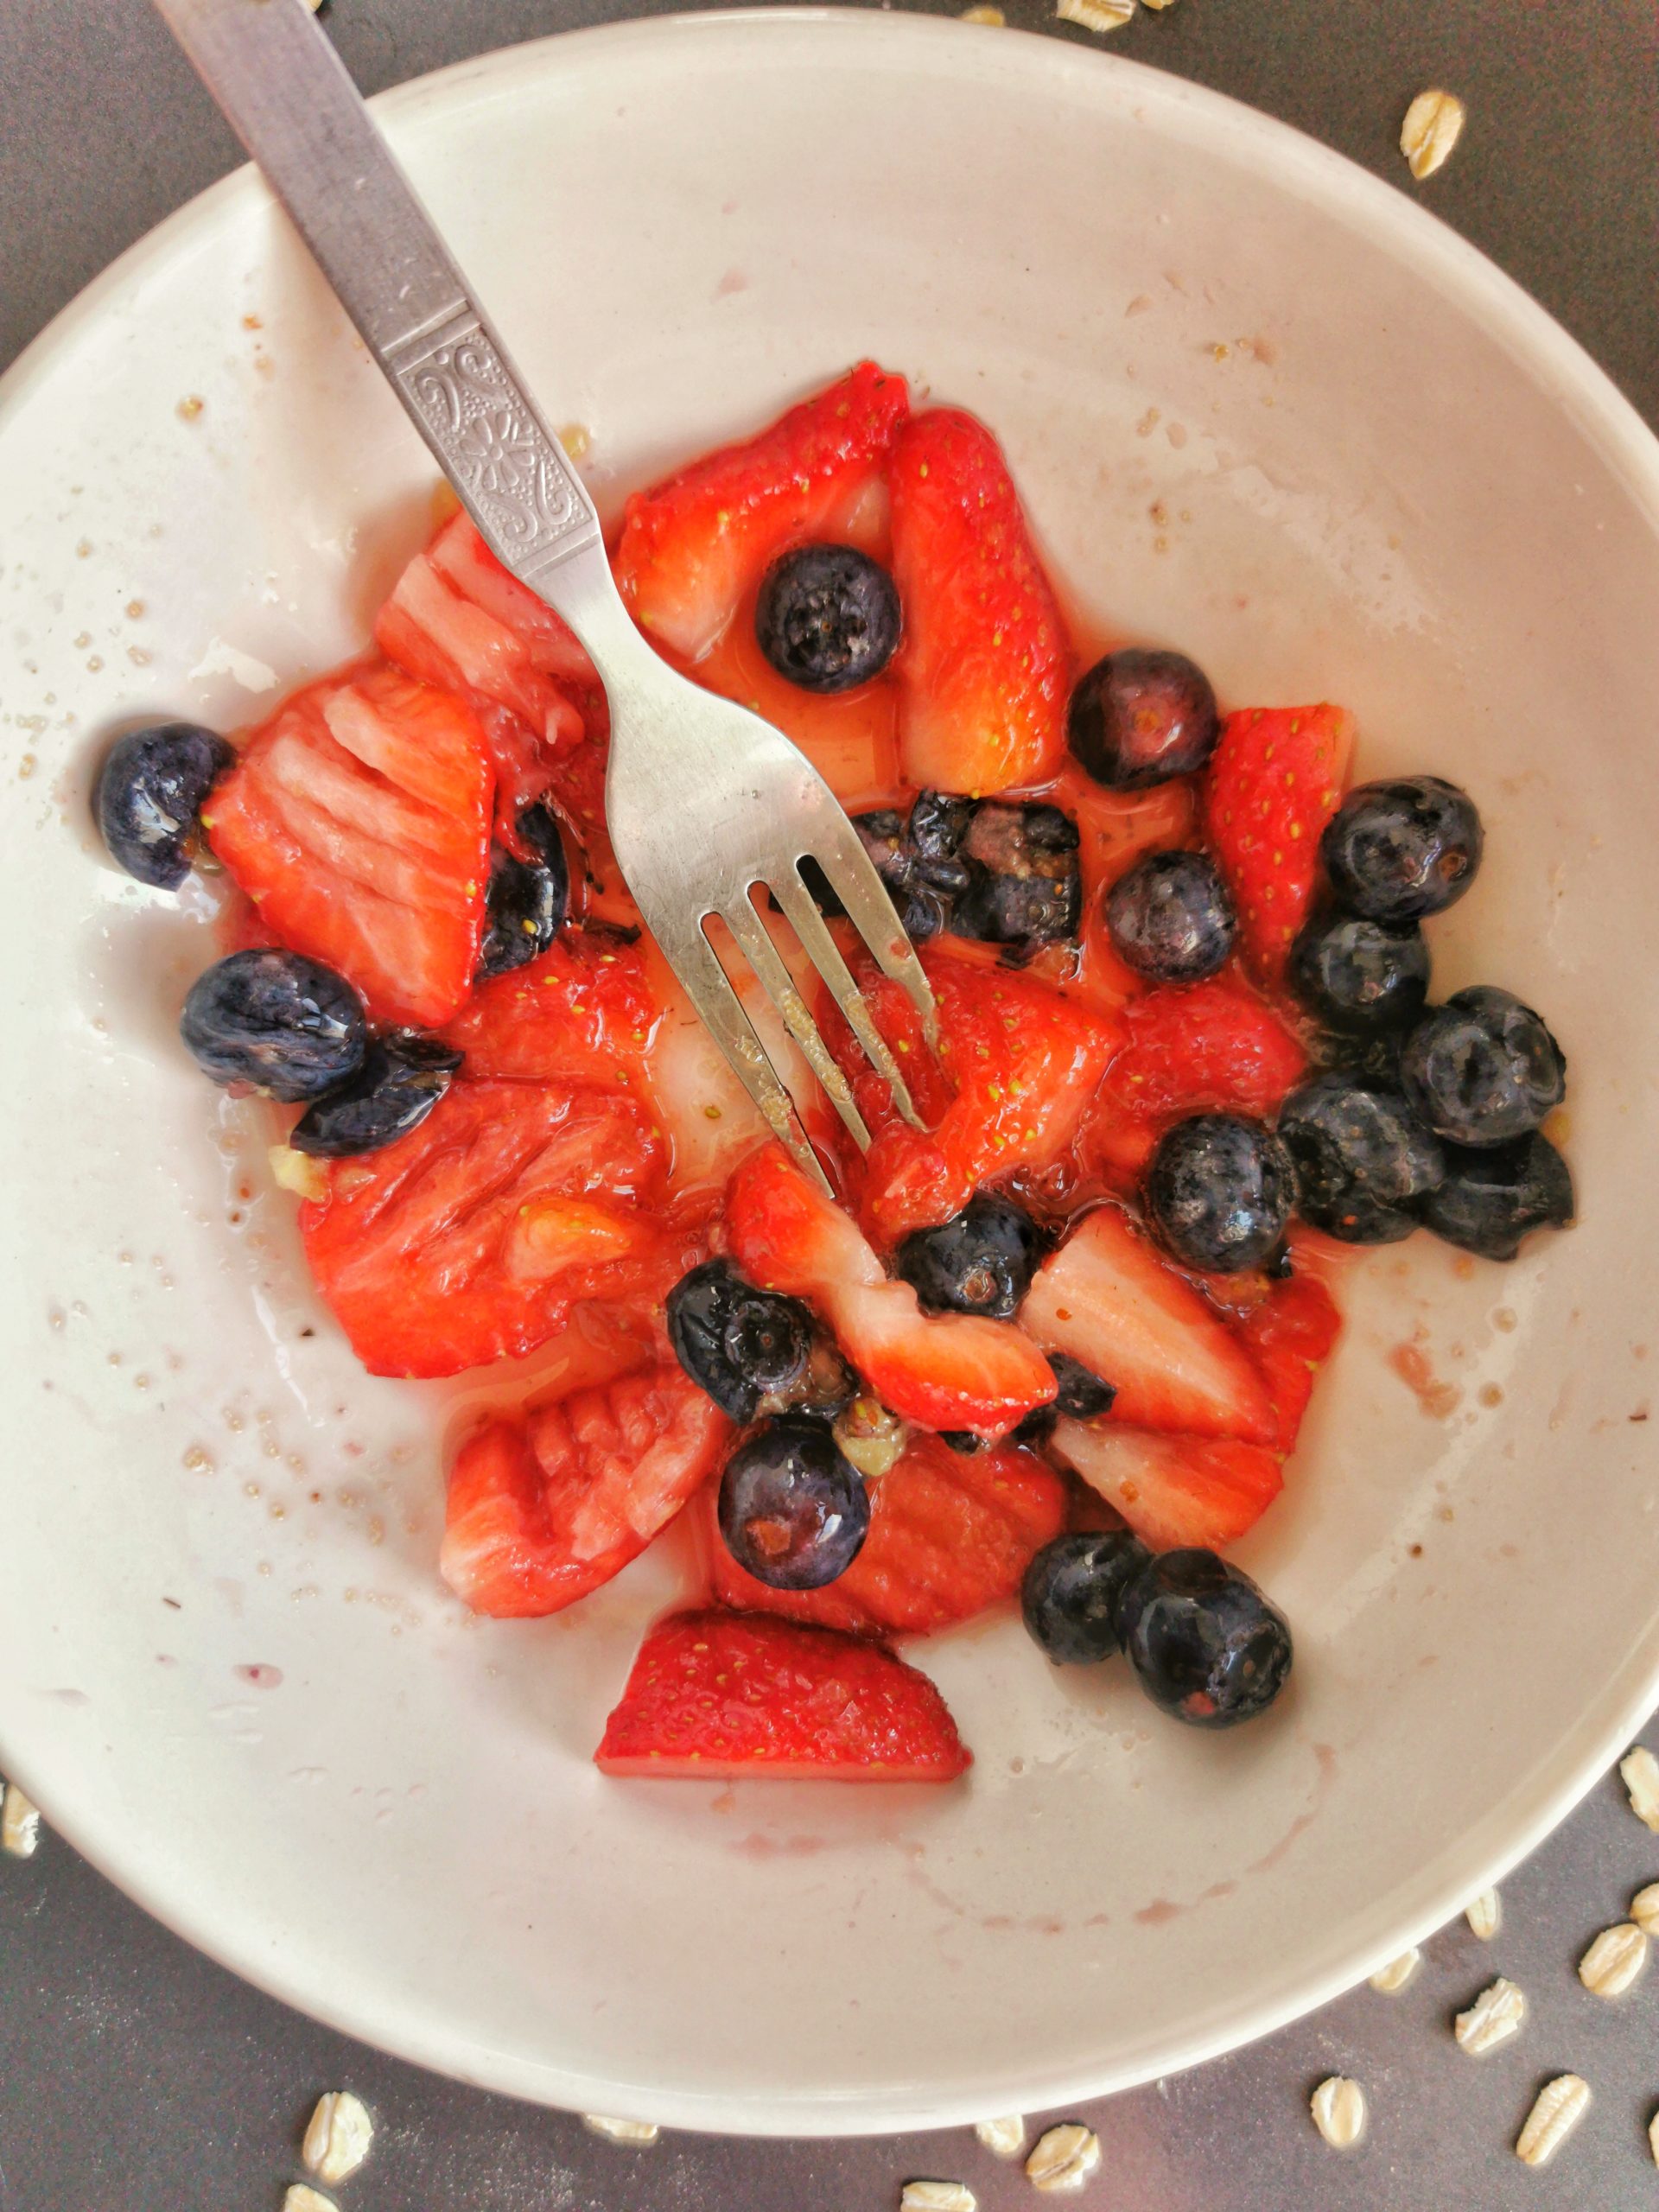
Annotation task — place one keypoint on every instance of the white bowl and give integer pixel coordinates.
(1261, 405)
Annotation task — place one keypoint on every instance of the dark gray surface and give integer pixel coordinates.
(134, 2074)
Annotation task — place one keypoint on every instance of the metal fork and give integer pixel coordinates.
(706, 804)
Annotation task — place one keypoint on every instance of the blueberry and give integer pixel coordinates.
(402, 1076)
(1024, 888)
(1398, 850)
(1080, 1393)
(938, 822)
(1139, 718)
(793, 1511)
(827, 616)
(1364, 1162)
(1218, 1191)
(149, 794)
(527, 899)
(277, 1022)
(924, 880)
(1494, 1196)
(980, 1262)
(1361, 977)
(966, 1441)
(1483, 1068)
(740, 1345)
(1170, 918)
(1071, 1592)
(1205, 1644)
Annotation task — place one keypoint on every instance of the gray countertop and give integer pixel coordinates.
(133, 2073)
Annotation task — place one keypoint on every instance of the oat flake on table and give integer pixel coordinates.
(1485, 1915)
(1064, 2158)
(1338, 2109)
(302, 2198)
(1433, 126)
(1095, 15)
(1003, 2139)
(1497, 2013)
(1645, 1908)
(1614, 1960)
(1562, 2105)
(1640, 1771)
(338, 2136)
(635, 2134)
(1397, 1973)
(20, 1823)
(937, 2197)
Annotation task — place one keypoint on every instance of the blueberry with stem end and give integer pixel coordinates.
(827, 616)
(980, 1262)
(1483, 1068)
(1205, 1644)
(280, 1023)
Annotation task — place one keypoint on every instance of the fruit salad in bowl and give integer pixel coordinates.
(1050, 1344)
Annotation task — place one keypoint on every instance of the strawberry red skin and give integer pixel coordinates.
(1207, 1047)
(951, 1533)
(1289, 1335)
(1174, 1491)
(583, 1012)
(472, 1237)
(690, 545)
(1020, 1064)
(1274, 781)
(942, 1371)
(719, 1695)
(541, 1509)
(357, 820)
(985, 668)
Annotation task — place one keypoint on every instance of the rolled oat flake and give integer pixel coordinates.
(1397, 1973)
(937, 2197)
(1064, 2158)
(1338, 2109)
(1003, 2139)
(1614, 1960)
(338, 2136)
(1497, 2013)
(1562, 2105)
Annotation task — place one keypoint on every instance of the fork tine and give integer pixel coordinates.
(754, 940)
(705, 981)
(839, 851)
(822, 951)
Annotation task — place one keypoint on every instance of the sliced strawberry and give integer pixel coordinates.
(474, 1236)
(1021, 1063)
(1107, 1300)
(1173, 1491)
(690, 546)
(986, 665)
(1288, 1336)
(584, 1012)
(718, 1695)
(358, 821)
(1274, 781)
(950, 1533)
(1209, 1046)
(948, 1370)
(544, 1507)
(458, 620)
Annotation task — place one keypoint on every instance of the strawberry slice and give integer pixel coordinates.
(1107, 1300)
(544, 1507)
(1207, 1047)
(950, 1533)
(717, 1696)
(690, 545)
(1274, 781)
(475, 1235)
(1288, 1335)
(1022, 1062)
(1174, 1491)
(358, 821)
(947, 1370)
(584, 1012)
(457, 620)
(985, 668)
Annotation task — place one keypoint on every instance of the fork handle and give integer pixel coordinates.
(288, 97)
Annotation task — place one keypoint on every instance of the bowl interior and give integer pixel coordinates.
(1260, 407)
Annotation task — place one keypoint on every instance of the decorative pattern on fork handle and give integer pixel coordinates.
(498, 454)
